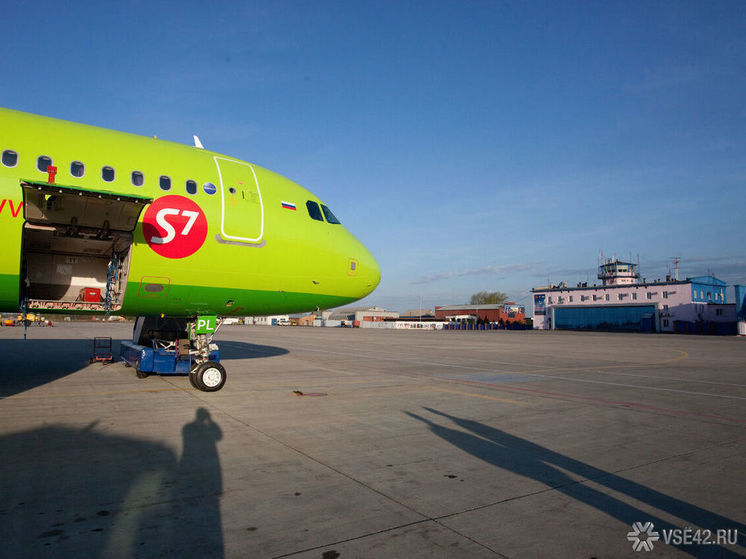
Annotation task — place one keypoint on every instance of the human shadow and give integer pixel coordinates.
(71, 492)
(200, 484)
(36, 362)
(546, 466)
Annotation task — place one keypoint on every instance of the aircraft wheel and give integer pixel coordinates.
(209, 376)
(193, 376)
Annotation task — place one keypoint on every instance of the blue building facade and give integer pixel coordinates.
(741, 302)
(623, 318)
(708, 289)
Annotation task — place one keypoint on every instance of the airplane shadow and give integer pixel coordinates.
(230, 349)
(530, 460)
(82, 493)
(32, 363)
(35, 362)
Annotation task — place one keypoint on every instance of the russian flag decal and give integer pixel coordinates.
(288, 205)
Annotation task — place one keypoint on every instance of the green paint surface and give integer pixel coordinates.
(206, 324)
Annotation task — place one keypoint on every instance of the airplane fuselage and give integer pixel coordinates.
(148, 227)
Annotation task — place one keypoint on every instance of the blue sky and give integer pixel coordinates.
(470, 145)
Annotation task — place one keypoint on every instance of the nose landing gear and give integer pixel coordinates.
(206, 374)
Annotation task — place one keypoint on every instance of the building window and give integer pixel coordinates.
(191, 187)
(77, 169)
(164, 182)
(10, 158)
(571, 298)
(665, 308)
(550, 300)
(607, 297)
(650, 295)
(665, 294)
(43, 162)
(108, 174)
(718, 312)
(665, 323)
(595, 297)
(560, 299)
(138, 179)
(634, 296)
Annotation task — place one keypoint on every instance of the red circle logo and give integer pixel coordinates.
(174, 226)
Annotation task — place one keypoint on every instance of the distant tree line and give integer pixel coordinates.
(489, 298)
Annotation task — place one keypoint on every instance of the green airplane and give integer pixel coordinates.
(99, 221)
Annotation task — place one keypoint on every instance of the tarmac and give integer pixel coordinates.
(328, 443)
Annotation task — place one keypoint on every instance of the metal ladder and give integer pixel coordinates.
(112, 278)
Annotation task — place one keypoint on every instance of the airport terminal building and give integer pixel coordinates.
(623, 302)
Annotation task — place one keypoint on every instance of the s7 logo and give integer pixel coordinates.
(160, 219)
(174, 226)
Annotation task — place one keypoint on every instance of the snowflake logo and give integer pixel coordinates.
(642, 536)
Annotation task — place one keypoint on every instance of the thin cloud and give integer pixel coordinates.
(497, 270)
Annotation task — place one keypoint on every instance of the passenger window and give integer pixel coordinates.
(191, 187)
(314, 211)
(165, 182)
(43, 162)
(107, 173)
(330, 217)
(138, 179)
(77, 169)
(10, 158)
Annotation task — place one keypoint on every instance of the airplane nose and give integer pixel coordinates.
(369, 273)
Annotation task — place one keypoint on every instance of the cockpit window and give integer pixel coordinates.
(330, 217)
(314, 211)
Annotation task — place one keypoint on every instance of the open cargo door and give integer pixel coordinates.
(76, 246)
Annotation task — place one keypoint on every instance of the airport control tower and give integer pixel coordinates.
(616, 272)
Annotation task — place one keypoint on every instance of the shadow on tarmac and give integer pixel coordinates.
(82, 493)
(530, 460)
(35, 362)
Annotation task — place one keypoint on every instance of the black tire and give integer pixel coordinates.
(139, 373)
(209, 376)
(193, 376)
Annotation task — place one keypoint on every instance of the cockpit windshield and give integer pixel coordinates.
(330, 217)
